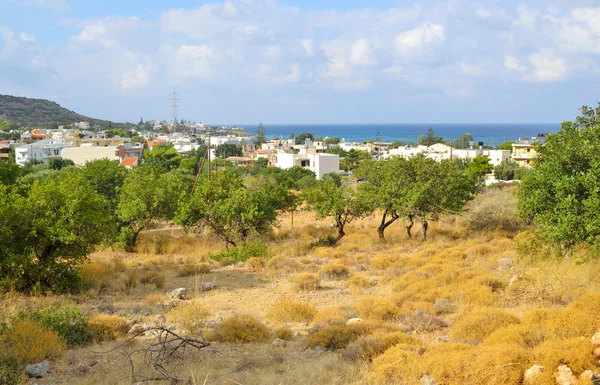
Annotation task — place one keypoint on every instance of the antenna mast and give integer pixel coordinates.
(174, 98)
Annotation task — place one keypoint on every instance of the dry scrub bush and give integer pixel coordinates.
(377, 308)
(254, 263)
(357, 283)
(396, 366)
(193, 269)
(382, 261)
(191, 315)
(574, 352)
(494, 209)
(480, 323)
(332, 337)
(334, 271)
(105, 327)
(368, 347)
(306, 282)
(282, 264)
(241, 329)
(284, 333)
(287, 310)
(154, 299)
(153, 277)
(337, 314)
(31, 343)
(95, 275)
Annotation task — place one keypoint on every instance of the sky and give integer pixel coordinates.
(295, 61)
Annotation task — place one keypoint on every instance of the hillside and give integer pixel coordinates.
(37, 112)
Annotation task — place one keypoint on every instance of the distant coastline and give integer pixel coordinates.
(490, 134)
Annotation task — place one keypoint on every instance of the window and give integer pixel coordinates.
(305, 163)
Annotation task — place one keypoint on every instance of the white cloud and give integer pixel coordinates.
(308, 46)
(511, 63)
(415, 40)
(194, 61)
(547, 67)
(27, 37)
(362, 54)
(272, 52)
(293, 76)
(58, 5)
(482, 13)
(136, 78)
(580, 31)
(527, 17)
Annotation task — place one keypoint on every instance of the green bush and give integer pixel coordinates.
(325, 241)
(242, 253)
(69, 322)
(10, 372)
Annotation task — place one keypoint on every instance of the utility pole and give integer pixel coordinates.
(451, 150)
(208, 149)
(174, 98)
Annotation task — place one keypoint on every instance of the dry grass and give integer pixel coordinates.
(31, 343)
(287, 310)
(357, 283)
(105, 327)
(480, 323)
(334, 271)
(306, 282)
(190, 315)
(241, 329)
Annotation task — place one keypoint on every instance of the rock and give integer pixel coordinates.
(82, 368)
(360, 267)
(531, 373)
(353, 321)
(38, 370)
(440, 339)
(178, 293)
(136, 329)
(427, 380)
(587, 374)
(279, 342)
(310, 353)
(505, 263)
(514, 279)
(218, 318)
(597, 352)
(564, 376)
(596, 340)
(240, 264)
(205, 286)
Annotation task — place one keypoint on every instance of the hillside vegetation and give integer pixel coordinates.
(38, 112)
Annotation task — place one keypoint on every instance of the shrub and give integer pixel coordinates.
(10, 371)
(191, 315)
(382, 261)
(306, 282)
(332, 337)
(369, 347)
(153, 277)
(324, 241)
(377, 308)
(193, 269)
(131, 279)
(241, 329)
(69, 322)
(480, 323)
(287, 265)
(493, 210)
(394, 366)
(284, 333)
(105, 327)
(574, 352)
(243, 252)
(94, 275)
(287, 310)
(357, 283)
(254, 263)
(29, 342)
(334, 271)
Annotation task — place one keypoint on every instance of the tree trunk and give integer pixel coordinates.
(292, 219)
(411, 218)
(383, 225)
(424, 226)
(341, 232)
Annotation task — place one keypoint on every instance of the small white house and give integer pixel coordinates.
(83, 154)
(42, 150)
(318, 163)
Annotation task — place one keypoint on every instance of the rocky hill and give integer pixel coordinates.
(39, 112)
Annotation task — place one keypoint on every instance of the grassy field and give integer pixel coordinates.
(477, 303)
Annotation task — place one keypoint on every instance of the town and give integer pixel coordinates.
(77, 143)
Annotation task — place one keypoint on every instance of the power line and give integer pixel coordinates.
(174, 98)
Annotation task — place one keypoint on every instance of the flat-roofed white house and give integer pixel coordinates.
(42, 150)
(308, 158)
(83, 154)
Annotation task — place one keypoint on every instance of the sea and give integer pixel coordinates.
(491, 134)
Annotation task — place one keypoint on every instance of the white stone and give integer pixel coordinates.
(353, 321)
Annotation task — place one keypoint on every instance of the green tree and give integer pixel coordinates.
(397, 144)
(163, 155)
(430, 139)
(149, 194)
(353, 159)
(463, 141)
(9, 172)
(47, 235)
(332, 140)
(327, 199)
(59, 163)
(230, 209)
(479, 166)
(105, 177)
(560, 195)
(260, 136)
(509, 170)
(589, 117)
(301, 139)
(226, 150)
(434, 188)
(505, 146)
(337, 151)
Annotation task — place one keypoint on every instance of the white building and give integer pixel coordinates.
(42, 150)
(88, 153)
(318, 163)
(441, 151)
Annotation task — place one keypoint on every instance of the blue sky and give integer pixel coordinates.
(293, 61)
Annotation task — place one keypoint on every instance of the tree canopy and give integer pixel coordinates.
(260, 136)
(430, 139)
(301, 139)
(463, 141)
